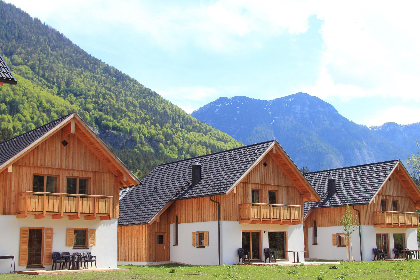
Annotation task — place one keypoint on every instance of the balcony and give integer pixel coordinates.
(396, 219)
(59, 205)
(264, 213)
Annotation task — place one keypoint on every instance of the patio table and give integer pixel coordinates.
(408, 254)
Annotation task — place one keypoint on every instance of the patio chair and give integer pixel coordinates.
(268, 254)
(409, 254)
(397, 253)
(378, 254)
(67, 259)
(57, 259)
(243, 255)
(88, 258)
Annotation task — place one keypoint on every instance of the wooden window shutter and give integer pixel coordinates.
(206, 238)
(23, 246)
(48, 246)
(194, 239)
(92, 237)
(334, 239)
(69, 237)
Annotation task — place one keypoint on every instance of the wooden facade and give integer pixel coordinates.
(70, 150)
(136, 243)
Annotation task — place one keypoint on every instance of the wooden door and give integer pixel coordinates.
(162, 247)
(251, 243)
(35, 247)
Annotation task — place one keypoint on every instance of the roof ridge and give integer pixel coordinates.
(225, 151)
(39, 127)
(353, 166)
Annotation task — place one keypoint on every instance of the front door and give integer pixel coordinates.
(382, 242)
(251, 244)
(35, 245)
(277, 243)
(162, 247)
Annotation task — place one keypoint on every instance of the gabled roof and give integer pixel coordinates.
(357, 185)
(15, 148)
(6, 75)
(221, 172)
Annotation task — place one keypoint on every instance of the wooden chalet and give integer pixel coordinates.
(6, 76)
(381, 195)
(201, 210)
(59, 188)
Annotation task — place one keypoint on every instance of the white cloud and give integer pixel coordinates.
(189, 98)
(397, 114)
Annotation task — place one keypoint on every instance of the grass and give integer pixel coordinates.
(345, 270)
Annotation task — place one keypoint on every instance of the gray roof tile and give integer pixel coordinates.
(172, 181)
(6, 75)
(354, 184)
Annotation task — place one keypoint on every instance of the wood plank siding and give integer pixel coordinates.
(52, 158)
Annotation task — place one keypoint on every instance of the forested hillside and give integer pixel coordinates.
(56, 77)
(311, 131)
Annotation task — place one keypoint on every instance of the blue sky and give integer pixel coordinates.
(361, 58)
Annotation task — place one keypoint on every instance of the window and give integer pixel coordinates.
(77, 185)
(315, 234)
(200, 239)
(394, 205)
(176, 231)
(159, 239)
(382, 242)
(80, 237)
(255, 196)
(383, 205)
(45, 183)
(340, 239)
(399, 241)
(272, 197)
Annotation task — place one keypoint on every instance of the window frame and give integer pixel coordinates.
(315, 234)
(201, 242)
(341, 239)
(86, 245)
(275, 195)
(259, 195)
(176, 228)
(395, 203)
(45, 181)
(78, 183)
(383, 205)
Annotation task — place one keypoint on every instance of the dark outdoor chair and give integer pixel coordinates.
(397, 253)
(67, 259)
(409, 254)
(268, 254)
(88, 258)
(57, 259)
(243, 255)
(378, 254)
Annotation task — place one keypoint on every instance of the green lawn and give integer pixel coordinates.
(345, 270)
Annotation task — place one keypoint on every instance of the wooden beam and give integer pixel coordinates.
(40, 216)
(90, 218)
(21, 216)
(69, 129)
(105, 218)
(74, 217)
(9, 169)
(121, 178)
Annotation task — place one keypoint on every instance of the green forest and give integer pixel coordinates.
(55, 77)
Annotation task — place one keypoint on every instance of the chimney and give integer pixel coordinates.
(196, 173)
(331, 187)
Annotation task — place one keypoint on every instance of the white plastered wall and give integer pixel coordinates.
(231, 240)
(106, 238)
(326, 251)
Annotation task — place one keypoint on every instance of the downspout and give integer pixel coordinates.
(218, 226)
(360, 233)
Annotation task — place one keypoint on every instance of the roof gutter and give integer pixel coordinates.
(218, 226)
(360, 233)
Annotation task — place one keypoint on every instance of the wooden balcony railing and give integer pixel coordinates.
(397, 219)
(264, 213)
(59, 205)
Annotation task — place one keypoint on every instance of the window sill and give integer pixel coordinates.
(80, 247)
